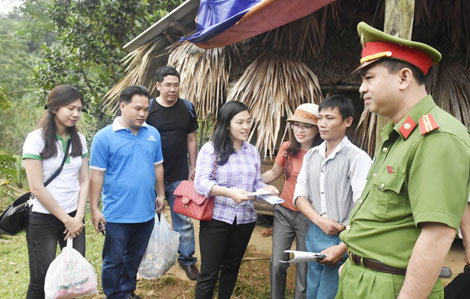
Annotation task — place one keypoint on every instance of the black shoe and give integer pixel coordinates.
(191, 271)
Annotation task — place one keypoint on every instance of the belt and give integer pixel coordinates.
(374, 264)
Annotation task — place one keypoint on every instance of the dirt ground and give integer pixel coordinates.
(258, 244)
(455, 260)
(261, 246)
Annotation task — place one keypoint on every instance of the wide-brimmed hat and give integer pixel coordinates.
(306, 113)
(378, 45)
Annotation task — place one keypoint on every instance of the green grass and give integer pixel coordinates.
(14, 267)
(252, 282)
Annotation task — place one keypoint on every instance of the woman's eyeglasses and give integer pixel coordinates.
(298, 126)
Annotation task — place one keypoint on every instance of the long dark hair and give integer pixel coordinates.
(59, 96)
(223, 144)
(294, 146)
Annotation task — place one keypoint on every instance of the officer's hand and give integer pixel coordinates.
(333, 254)
(329, 226)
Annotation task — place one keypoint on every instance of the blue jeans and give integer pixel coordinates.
(124, 245)
(322, 280)
(43, 233)
(183, 225)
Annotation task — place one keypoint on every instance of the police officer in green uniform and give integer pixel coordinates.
(402, 227)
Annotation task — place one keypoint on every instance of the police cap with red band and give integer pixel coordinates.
(378, 45)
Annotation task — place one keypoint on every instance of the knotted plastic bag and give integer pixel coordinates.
(161, 252)
(70, 275)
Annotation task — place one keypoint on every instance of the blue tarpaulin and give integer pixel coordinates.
(224, 22)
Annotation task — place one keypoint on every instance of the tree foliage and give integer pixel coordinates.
(36, 27)
(16, 61)
(44, 43)
(88, 51)
(18, 106)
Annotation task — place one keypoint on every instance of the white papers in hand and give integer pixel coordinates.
(267, 196)
(304, 256)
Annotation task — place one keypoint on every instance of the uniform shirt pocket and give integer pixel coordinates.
(388, 194)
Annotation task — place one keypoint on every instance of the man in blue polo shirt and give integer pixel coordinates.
(127, 165)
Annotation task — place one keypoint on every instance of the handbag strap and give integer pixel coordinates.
(57, 172)
(214, 168)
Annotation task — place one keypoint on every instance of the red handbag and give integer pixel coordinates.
(192, 204)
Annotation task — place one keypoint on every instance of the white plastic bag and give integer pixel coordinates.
(161, 252)
(70, 275)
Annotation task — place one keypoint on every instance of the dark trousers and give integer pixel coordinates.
(222, 246)
(124, 246)
(43, 233)
(287, 226)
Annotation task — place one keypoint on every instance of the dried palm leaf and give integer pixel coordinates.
(303, 39)
(272, 87)
(366, 131)
(451, 90)
(450, 17)
(205, 74)
(137, 64)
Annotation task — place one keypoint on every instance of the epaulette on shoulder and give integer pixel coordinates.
(427, 124)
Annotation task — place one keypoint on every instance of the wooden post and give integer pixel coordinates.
(398, 21)
(399, 16)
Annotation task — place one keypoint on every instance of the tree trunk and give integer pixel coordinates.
(398, 22)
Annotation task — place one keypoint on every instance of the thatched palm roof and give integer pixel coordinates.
(211, 68)
(138, 65)
(272, 86)
(277, 70)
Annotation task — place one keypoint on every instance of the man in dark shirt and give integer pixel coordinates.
(177, 123)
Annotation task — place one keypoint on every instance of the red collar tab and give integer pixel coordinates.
(427, 123)
(375, 50)
(390, 169)
(407, 127)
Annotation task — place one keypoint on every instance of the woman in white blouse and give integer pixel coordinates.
(58, 209)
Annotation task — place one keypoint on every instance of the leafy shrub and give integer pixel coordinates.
(11, 169)
(12, 179)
